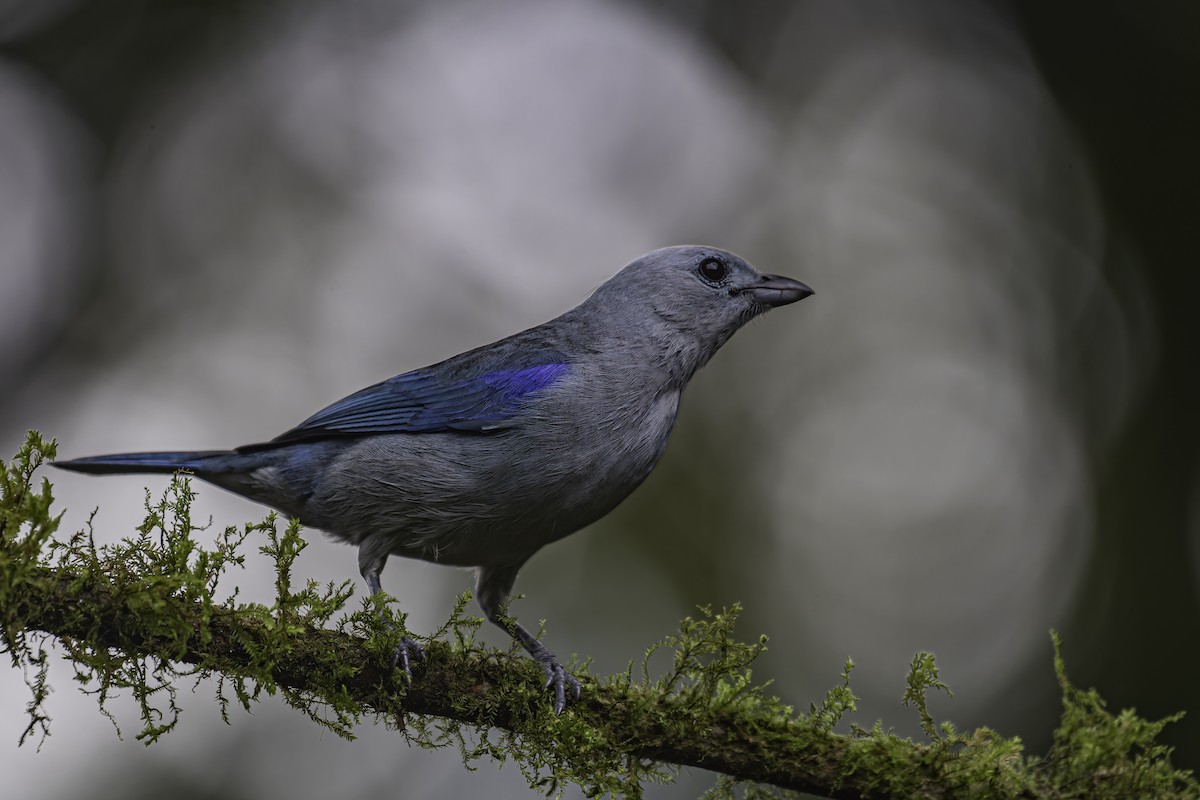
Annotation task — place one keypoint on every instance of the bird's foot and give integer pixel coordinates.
(562, 682)
(408, 651)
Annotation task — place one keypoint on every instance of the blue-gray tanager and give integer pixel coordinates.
(482, 459)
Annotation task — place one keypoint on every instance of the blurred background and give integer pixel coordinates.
(218, 217)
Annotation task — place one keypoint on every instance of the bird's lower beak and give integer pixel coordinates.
(776, 290)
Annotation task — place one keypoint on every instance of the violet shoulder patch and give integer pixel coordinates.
(514, 384)
(508, 392)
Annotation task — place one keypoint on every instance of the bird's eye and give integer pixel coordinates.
(713, 270)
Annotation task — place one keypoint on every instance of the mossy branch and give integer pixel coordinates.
(140, 615)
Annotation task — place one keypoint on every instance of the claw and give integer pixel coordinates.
(559, 679)
(406, 652)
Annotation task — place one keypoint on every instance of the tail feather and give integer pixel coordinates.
(164, 462)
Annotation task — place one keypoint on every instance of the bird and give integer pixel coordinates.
(484, 458)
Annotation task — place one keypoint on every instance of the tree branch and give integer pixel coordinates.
(129, 614)
(788, 756)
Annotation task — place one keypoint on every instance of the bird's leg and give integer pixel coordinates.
(492, 587)
(408, 649)
(557, 676)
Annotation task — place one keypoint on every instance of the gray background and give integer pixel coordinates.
(217, 217)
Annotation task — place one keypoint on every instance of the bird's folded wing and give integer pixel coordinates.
(423, 401)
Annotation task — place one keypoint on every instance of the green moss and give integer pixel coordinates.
(144, 614)
(26, 528)
(923, 676)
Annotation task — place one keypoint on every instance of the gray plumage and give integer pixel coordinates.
(484, 458)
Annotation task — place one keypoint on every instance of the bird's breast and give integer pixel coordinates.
(594, 461)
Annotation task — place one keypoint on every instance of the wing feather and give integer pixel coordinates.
(424, 402)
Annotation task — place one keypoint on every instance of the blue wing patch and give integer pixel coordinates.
(422, 402)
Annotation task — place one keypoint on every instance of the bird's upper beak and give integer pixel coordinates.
(776, 290)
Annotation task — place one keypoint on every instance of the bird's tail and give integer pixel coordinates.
(267, 476)
(198, 461)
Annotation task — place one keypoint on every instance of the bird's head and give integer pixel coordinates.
(693, 298)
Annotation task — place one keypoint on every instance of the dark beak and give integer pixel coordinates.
(776, 290)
